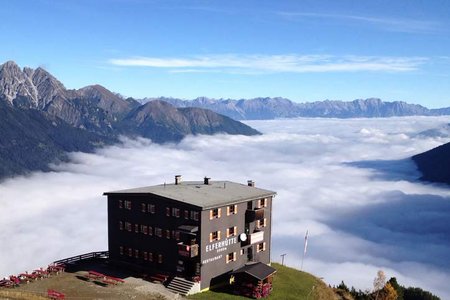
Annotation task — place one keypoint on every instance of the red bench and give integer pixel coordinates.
(96, 275)
(52, 294)
(112, 280)
(7, 283)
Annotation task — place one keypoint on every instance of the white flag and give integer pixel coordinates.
(306, 242)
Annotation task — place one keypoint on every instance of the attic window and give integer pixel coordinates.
(175, 212)
(151, 208)
(262, 202)
(128, 204)
(194, 215)
(231, 210)
(215, 213)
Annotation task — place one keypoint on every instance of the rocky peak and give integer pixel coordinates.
(10, 67)
(112, 103)
(48, 87)
(16, 85)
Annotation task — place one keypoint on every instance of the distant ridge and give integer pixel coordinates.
(41, 120)
(435, 164)
(272, 108)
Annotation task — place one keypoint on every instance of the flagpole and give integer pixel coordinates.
(304, 249)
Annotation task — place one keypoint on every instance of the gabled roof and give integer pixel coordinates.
(214, 194)
(257, 270)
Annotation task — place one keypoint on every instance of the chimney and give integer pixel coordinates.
(206, 180)
(251, 183)
(177, 179)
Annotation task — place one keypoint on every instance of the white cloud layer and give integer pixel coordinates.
(288, 63)
(346, 181)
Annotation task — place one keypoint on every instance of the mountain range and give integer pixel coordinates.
(272, 108)
(41, 120)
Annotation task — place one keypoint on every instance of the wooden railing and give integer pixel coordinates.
(91, 255)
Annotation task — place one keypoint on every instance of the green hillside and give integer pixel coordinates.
(288, 284)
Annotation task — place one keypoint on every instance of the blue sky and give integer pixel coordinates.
(301, 50)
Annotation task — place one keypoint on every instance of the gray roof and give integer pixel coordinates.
(258, 270)
(216, 193)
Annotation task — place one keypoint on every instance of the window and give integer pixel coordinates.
(242, 251)
(136, 228)
(128, 204)
(176, 235)
(261, 223)
(176, 212)
(231, 257)
(262, 202)
(214, 213)
(232, 231)
(231, 210)
(120, 203)
(120, 225)
(158, 232)
(186, 214)
(136, 253)
(144, 229)
(214, 236)
(130, 252)
(250, 205)
(194, 215)
(121, 250)
(150, 230)
(261, 247)
(168, 211)
(143, 207)
(128, 226)
(151, 208)
(167, 234)
(150, 256)
(145, 255)
(160, 258)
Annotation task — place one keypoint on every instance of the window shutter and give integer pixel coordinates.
(210, 237)
(228, 232)
(211, 214)
(219, 212)
(218, 235)
(228, 210)
(235, 208)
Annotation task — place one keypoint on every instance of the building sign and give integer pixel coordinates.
(205, 261)
(222, 245)
(256, 237)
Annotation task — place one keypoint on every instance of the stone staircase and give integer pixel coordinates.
(182, 286)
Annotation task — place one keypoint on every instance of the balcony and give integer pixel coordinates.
(253, 215)
(187, 250)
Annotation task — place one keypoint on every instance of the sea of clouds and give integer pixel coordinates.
(348, 182)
